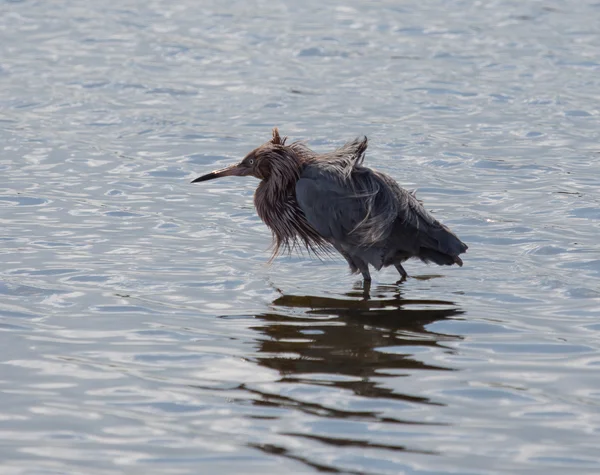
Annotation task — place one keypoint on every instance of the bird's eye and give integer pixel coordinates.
(251, 161)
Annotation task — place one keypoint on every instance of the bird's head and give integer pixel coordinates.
(271, 158)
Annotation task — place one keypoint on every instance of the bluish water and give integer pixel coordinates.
(143, 332)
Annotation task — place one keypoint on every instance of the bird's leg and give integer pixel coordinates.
(363, 267)
(367, 290)
(356, 264)
(403, 274)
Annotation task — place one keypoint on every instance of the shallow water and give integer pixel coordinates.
(143, 332)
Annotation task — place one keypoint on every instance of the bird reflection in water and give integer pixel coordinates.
(308, 338)
(343, 337)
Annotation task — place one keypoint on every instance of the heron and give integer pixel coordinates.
(332, 201)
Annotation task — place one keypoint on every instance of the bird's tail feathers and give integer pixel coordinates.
(429, 255)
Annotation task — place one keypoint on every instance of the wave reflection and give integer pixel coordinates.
(335, 353)
(344, 336)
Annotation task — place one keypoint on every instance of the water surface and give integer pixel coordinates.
(143, 331)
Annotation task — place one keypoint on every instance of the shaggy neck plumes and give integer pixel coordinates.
(275, 201)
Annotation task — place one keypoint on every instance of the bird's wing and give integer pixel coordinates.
(417, 226)
(369, 209)
(329, 208)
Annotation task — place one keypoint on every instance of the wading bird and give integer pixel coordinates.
(331, 200)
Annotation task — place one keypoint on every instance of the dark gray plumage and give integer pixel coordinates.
(332, 200)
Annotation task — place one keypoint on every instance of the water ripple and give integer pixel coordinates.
(143, 329)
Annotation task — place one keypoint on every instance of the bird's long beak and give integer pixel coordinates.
(231, 170)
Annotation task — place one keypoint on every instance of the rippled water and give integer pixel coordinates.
(143, 332)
